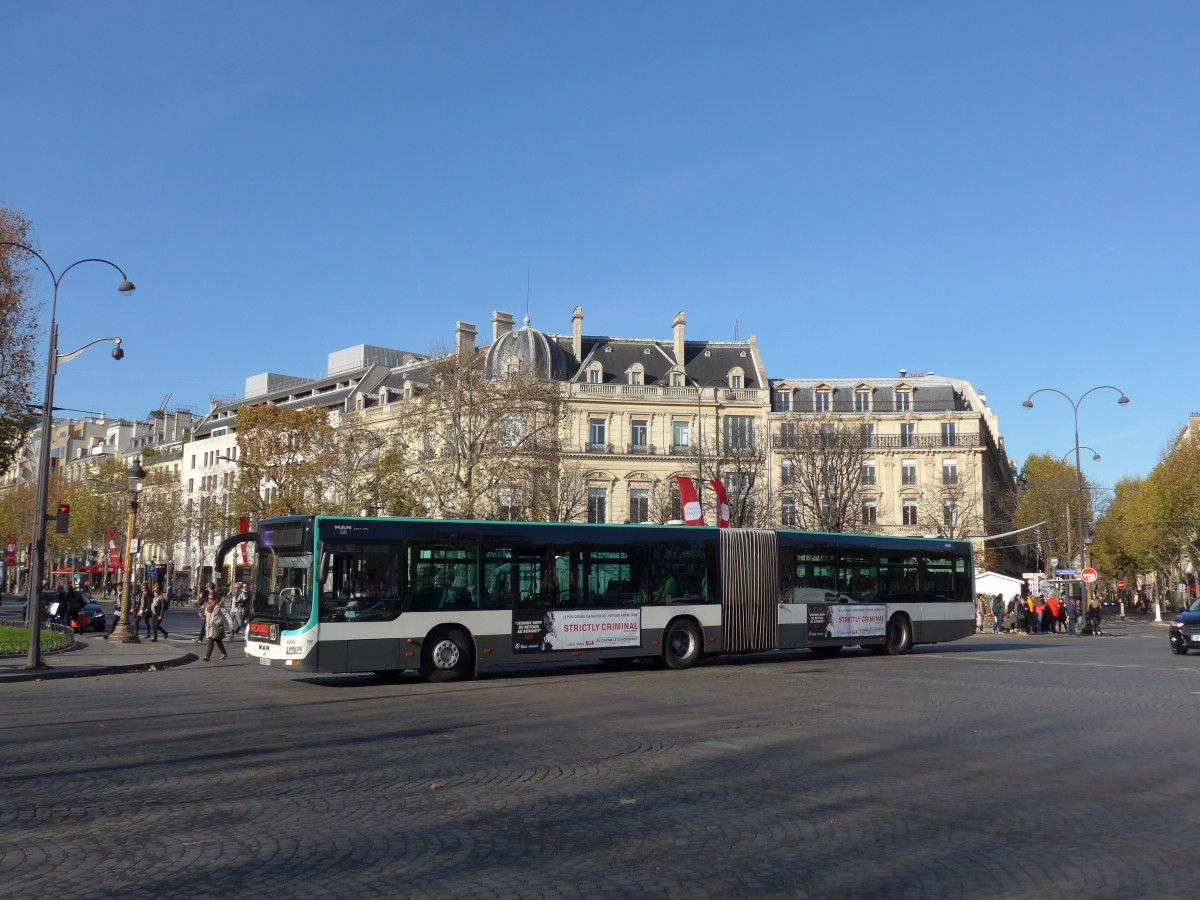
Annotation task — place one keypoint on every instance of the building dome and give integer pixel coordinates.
(527, 351)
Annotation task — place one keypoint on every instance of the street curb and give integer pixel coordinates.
(91, 671)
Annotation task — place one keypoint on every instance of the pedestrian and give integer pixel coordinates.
(997, 614)
(205, 593)
(1072, 615)
(1092, 618)
(241, 598)
(144, 613)
(216, 620)
(1051, 615)
(158, 608)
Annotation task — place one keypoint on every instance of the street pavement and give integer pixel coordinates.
(92, 655)
(1001, 766)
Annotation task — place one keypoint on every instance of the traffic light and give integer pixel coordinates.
(62, 521)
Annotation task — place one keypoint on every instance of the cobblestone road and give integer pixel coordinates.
(993, 767)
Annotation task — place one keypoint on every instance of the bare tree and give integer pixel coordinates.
(822, 473)
(484, 447)
(954, 509)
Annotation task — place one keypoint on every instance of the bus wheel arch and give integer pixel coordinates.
(447, 654)
(682, 644)
(899, 634)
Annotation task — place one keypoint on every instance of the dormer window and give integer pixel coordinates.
(903, 399)
(676, 379)
(595, 374)
(823, 400)
(736, 379)
(636, 374)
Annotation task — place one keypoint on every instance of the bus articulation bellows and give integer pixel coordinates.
(340, 595)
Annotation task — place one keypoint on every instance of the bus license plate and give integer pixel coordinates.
(263, 661)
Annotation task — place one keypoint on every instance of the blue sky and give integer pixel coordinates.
(1001, 192)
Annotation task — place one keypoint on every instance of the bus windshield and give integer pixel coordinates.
(281, 592)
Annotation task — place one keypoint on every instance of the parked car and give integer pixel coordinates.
(1185, 630)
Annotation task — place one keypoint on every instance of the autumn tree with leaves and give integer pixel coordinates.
(1049, 499)
(17, 337)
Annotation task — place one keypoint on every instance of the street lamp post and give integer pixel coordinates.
(42, 494)
(121, 631)
(1122, 400)
(716, 384)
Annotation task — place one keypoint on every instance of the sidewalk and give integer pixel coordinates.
(92, 655)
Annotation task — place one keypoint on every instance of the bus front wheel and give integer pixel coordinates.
(899, 635)
(682, 645)
(447, 656)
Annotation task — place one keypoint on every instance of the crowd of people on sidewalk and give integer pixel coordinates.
(1041, 615)
(222, 614)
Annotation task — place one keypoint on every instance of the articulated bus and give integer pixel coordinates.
(337, 595)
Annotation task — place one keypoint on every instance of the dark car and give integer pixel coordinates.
(93, 615)
(1185, 630)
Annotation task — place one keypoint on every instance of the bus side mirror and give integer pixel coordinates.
(323, 568)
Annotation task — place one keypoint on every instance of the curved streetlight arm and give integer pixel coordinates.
(67, 357)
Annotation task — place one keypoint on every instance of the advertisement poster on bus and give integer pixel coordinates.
(845, 620)
(535, 631)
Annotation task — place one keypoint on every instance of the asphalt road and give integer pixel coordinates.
(992, 767)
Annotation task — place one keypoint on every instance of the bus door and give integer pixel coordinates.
(749, 590)
(807, 587)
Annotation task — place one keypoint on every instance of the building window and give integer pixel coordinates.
(950, 513)
(949, 471)
(594, 374)
(869, 512)
(739, 432)
(597, 506)
(596, 434)
(903, 401)
(787, 473)
(782, 401)
(909, 509)
(635, 375)
(676, 379)
(639, 505)
(736, 379)
(868, 434)
(787, 434)
(908, 471)
(907, 433)
(862, 401)
(948, 434)
(639, 431)
(738, 490)
(868, 472)
(679, 435)
(787, 513)
(823, 401)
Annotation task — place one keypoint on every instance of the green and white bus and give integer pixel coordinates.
(337, 595)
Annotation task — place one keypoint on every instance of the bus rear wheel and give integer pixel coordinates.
(682, 645)
(899, 635)
(447, 656)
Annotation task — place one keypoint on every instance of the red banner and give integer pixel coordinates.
(10, 551)
(723, 504)
(692, 514)
(114, 555)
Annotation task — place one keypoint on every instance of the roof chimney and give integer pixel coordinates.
(502, 323)
(677, 328)
(577, 333)
(464, 340)
(903, 372)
